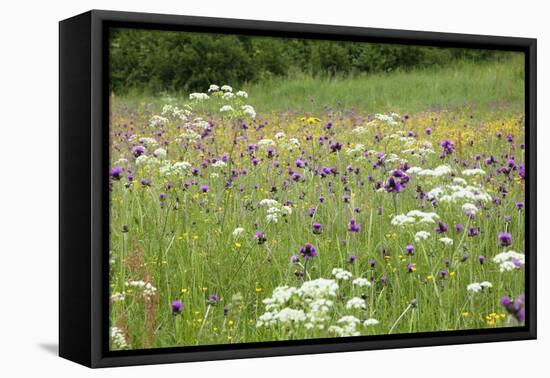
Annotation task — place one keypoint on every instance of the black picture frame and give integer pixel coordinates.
(83, 195)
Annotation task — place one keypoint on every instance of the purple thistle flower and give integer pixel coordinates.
(410, 267)
(296, 176)
(260, 237)
(177, 306)
(443, 273)
(403, 178)
(294, 259)
(353, 226)
(448, 147)
(308, 251)
(116, 172)
(352, 259)
(459, 227)
(515, 307)
(317, 228)
(505, 239)
(481, 259)
(521, 171)
(410, 249)
(311, 211)
(472, 231)
(225, 310)
(300, 163)
(441, 228)
(517, 263)
(321, 198)
(520, 205)
(204, 188)
(372, 263)
(505, 301)
(138, 151)
(393, 186)
(335, 147)
(213, 299)
(428, 130)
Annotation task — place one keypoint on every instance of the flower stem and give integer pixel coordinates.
(399, 318)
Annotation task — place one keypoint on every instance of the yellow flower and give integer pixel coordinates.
(430, 277)
(195, 237)
(258, 289)
(184, 290)
(230, 323)
(237, 245)
(465, 314)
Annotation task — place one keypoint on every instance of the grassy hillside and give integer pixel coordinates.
(483, 86)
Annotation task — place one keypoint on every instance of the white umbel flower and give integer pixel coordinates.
(160, 153)
(470, 208)
(249, 111)
(356, 303)
(446, 241)
(361, 282)
(341, 274)
(289, 315)
(117, 338)
(421, 235)
(402, 219)
(472, 172)
(237, 232)
(509, 261)
(198, 96)
(370, 322)
(226, 108)
(474, 287)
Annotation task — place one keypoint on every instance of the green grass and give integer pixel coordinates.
(486, 85)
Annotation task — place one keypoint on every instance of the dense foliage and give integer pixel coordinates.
(155, 61)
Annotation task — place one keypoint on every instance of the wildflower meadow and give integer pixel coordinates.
(273, 211)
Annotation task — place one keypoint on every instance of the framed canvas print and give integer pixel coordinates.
(234, 188)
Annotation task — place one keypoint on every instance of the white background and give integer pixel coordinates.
(29, 186)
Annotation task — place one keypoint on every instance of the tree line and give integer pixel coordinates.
(155, 61)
